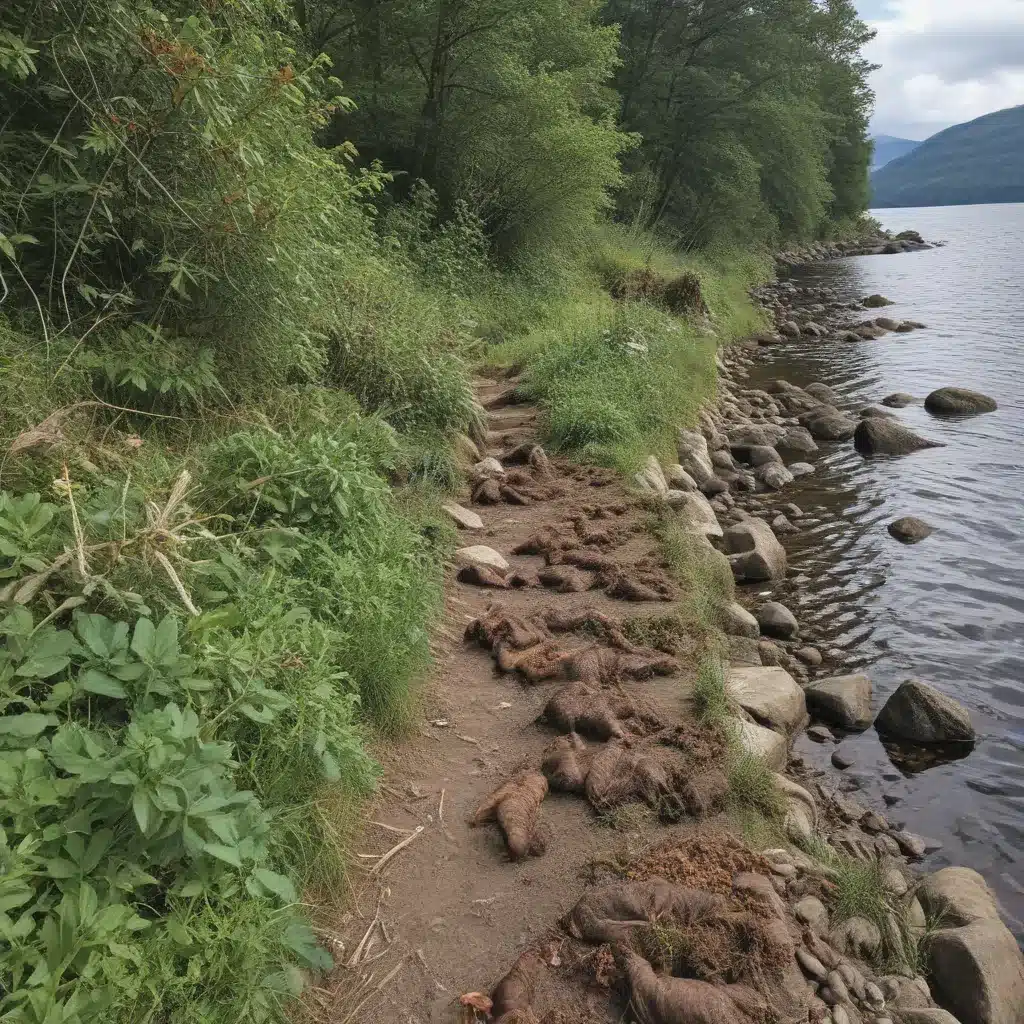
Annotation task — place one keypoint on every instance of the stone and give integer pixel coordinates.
(810, 965)
(790, 328)
(958, 402)
(716, 485)
(874, 410)
(820, 733)
(774, 476)
(875, 436)
(978, 972)
(844, 701)
(678, 479)
(776, 620)
(810, 911)
(464, 518)
(651, 477)
(898, 400)
(912, 846)
(799, 469)
(823, 393)
(927, 1015)
(755, 454)
(835, 982)
(487, 468)
(801, 817)
(857, 936)
(873, 823)
(694, 456)
(957, 896)
(743, 650)
(909, 529)
(767, 744)
(755, 552)
(919, 713)
(911, 993)
(847, 808)
(829, 424)
(798, 439)
(896, 882)
(740, 622)
(699, 516)
(876, 301)
(782, 527)
(480, 554)
(841, 760)
(809, 656)
(886, 323)
(770, 695)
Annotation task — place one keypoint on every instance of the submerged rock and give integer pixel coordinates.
(958, 402)
(898, 400)
(826, 423)
(910, 529)
(921, 714)
(876, 436)
(876, 301)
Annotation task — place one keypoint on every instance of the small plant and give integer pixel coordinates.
(710, 697)
(752, 784)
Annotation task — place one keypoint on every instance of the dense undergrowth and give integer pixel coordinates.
(234, 380)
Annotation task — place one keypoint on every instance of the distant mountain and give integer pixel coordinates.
(889, 147)
(981, 161)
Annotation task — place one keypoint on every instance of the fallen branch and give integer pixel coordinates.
(396, 850)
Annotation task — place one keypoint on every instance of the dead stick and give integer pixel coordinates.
(395, 850)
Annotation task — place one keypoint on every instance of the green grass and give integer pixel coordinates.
(752, 784)
(710, 700)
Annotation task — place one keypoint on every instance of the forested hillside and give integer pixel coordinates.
(249, 253)
(976, 162)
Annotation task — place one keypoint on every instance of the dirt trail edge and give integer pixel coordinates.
(455, 909)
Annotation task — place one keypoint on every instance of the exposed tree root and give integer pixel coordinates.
(516, 808)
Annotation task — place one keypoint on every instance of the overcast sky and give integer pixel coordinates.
(943, 61)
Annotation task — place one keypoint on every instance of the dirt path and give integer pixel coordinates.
(455, 909)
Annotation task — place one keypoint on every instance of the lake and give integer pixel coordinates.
(950, 610)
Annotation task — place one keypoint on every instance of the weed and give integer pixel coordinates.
(752, 784)
(710, 699)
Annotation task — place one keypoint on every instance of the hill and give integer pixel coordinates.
(889, 148)
(976, 162)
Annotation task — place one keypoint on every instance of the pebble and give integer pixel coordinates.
(842, 760)
(911, 845)
(891, 799)
(820, 734)
(785, 870)
(811, 965)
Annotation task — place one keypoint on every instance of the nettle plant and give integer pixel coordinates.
(119, 805)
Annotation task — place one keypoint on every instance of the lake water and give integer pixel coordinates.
(950, 610)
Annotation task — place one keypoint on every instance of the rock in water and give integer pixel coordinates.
(777, 620)
(910, 529)
(876, 436)
(876, 301)
(771, 695)
(919, 713)
(899, 400)
(841, 700)
(755, 552)
(829, 424)
(958, 402)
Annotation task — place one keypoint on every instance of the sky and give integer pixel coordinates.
(943, 61)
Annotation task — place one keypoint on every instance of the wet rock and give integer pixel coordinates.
(770, 695)
(782, 527)
(958, 402)
(755, 454)
(678, 479)
(910, 529)
(463, 517)
(874, 410)
(765, 743)
(799, 469)
(921, 714)
(798, 439)
(844, 701)
(873, 823)
(899, 400)
(774, 476)
(776, 620)
(789, 328)
(876, 436)
(755, 552)
(911, 845)
(481, 555)
(978, 971)
(829, 424)
(740, 622)
(876, 301)
(857, 937)
(820, 733)
(810, 911)
(823, 393)
(886, 323)
(841, 760)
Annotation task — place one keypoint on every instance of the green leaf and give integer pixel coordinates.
(94, 681)
(228, 854)
(142, 639)
(279, 885)
(25, 726)
(144, 811)
(165, 641)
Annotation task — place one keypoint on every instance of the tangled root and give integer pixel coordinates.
(593, 712)
(592, 560)
(565, 579)
(487, 492)
(620, 774)
(705, 792)
(516, 808)
(633, 585)
(498, 626)
(565, 620)
(566, 763)
(544, 542)
(512, 997)
(543, 661)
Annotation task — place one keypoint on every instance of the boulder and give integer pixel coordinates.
(801, 817)
(798, 469)
(790, 328)
(464, 518)
(823, 393)
(480, 554)
(876, 436)
(739, 622)
(926, 1015)
(876, 301)
(748, 434)
(651, 477)
(978, 972)
(798, 439)
(743, 650)
(958, 402)
(909, 529)
(919, 713)
(678, 479)
(770, 695)
(810, 911)
(782, 526)
(857, 936)
(755, 454)
(827, 423)
(776, 620)
(694, 456)
(874, 410)
(774, 476)
(698, 515)
(844, 701)
(809, 656)
(957, 896)
(886, 323)
(899, 400)
(755, 552)
(767, 744)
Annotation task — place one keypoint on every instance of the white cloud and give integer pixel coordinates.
(945, 61)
